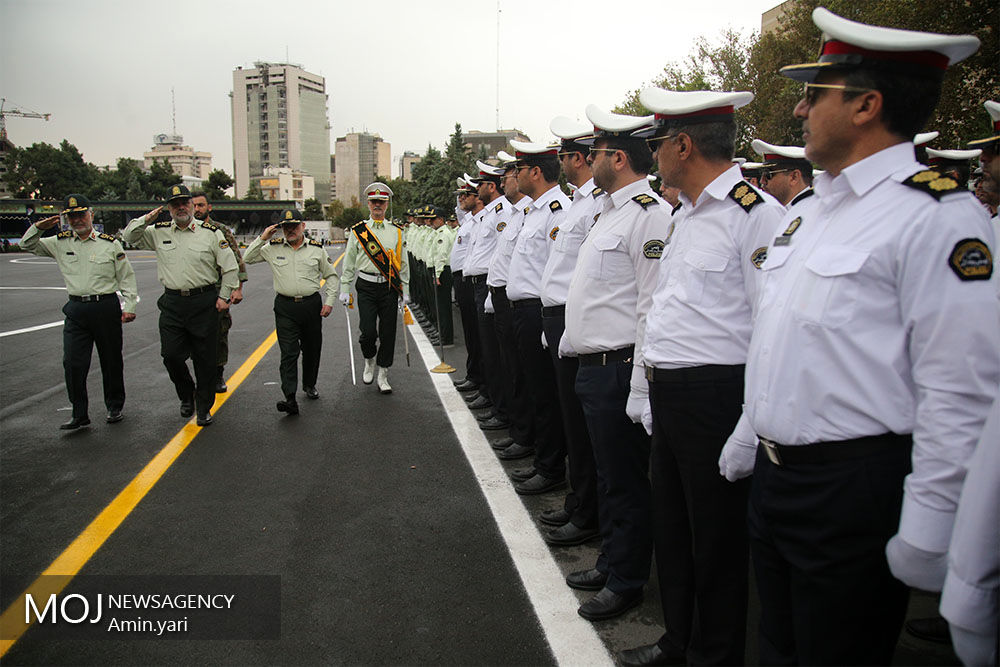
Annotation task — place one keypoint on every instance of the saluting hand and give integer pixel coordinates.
(48, 222)
(153, 215)
(326, 310)
(269, 232)
(127, 317)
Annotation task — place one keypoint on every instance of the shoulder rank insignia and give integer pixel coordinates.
(758, 256)
(555, 206)
(106, 237)
(653, 249)
(644, 200)
(498, 208)
(65, 235)
(501, 225)
(209, 225)
(597, 192)
(554, 233)
(744, 195)
(315, 243)
(971, 260)
(932, 182)
(163, 224)
(277, 241)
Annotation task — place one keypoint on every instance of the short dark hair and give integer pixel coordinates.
(640, 157)
(549, 166)
(807, 175)
(908, 95)
(715, 140)
(200, 193)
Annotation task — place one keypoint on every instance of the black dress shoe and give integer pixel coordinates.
(471, 396)
(187, 408)
(481, 403)
(608, 604)
(289, 405)
(205, 419)
(587, 580)
(932, 629)
(650, 654)
(468, 385)
(522, 474)
(114, 416)
(515, 452)
(538, 484)
(75, 423)
(494, 424)
(559, 517)
(486, 416)
(569, 535)
(502, 443)
(220, 382)
(311, 392)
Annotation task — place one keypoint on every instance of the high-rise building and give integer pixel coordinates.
(280, 120)
(491, 142)
(287, 184)
(361, 158)
(772, 18)
(184, 160)
(406, 165)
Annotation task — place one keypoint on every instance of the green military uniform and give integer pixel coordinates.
(442, 241)
(226, 316)
(298, 275)
(94, 268)
(188, 262)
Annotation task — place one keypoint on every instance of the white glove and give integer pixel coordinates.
(973, 648)
(638, 409)
(915, 567)
(737, 459)
(545, 341)
(488, 304)
(565, 349)
(345, 298)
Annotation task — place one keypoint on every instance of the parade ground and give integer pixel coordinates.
(394, 529)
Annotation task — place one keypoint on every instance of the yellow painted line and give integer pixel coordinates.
(69, 563)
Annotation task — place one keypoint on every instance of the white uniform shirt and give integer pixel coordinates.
(534, 243)
(612, 285)
(864, 327)
(702, 307)
(458, 251)
(579, 219)
(500, 265)
(484, 239)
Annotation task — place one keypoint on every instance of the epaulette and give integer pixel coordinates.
(106, 237)
(597, 192)
(933, 183)
(209, 225)
(744, 195)
(65, 235)
(644, 200)
(277, 241)
(163, 224)
(315, 243)
(498, 208)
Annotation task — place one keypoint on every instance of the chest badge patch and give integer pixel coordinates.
(786, 236)
(500, 226)
(971, 260)
(554, 232)
(758, 256)
(653, 249)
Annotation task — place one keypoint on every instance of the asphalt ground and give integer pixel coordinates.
(393, 527)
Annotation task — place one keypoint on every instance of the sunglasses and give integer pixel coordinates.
(811, 91)
(768, 174)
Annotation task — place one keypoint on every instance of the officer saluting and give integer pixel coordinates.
(190, 258)
(94, 267)
(299, 266)
(376, 256)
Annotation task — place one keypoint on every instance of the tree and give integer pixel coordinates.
(217, 184)
(313, 210)
(46, 172)
(254, 193)
(161, 178)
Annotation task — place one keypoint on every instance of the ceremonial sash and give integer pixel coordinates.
(386, 262)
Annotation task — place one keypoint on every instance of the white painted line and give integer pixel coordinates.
(30, 329)
(58, 288)
(572, 639)
(33, 260)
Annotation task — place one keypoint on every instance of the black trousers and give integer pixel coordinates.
(225, 324)
(470, 328)
(300, 329)
(189, 329)
(446, 327)
(550, 440)
(489, 348)
(581, 502)
(699, 518)
(88, 324)
(378, 306)
(522, 412)
(817, 537)
(621, 452)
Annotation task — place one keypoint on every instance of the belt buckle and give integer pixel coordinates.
(185, 292)
(87, 298)
(298, 299)
(771, 449)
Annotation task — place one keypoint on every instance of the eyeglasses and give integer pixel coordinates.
(810, 91)
(523, 166)
(654, 142)
(768, 174)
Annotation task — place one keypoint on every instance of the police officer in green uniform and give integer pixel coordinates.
(299, 267)
(94, 267)
(189, 260)
(202, 210)
(440, 261)
(375, 255)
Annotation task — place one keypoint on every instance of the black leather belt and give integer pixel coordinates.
(695, 373)
(481, 278)
(500, 289)
(554, 311)
(527, 303)
(605, 358)
(92, 297)
(457, 275)
(828, 452)
(297, 299)
(189, 292)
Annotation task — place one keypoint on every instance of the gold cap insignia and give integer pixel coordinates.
(175, 191)
(72, 201)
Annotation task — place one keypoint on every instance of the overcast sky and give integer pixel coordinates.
(406, 70)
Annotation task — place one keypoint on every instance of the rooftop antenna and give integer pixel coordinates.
(173, 110)
(498, 65)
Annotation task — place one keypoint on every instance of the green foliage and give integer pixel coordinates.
(350, 215)
(46, 172)
(254, 193)
(216, 185)
(313, 210)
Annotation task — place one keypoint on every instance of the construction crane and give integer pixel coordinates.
(21, 113)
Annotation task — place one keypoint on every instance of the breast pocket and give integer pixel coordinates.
(613, 262)
(705, 275)
(103, 265)
(828, 292)
(167, 253)
(70, 262)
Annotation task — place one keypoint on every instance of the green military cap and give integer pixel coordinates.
(291, 216)
(438, 212)
(426, 211)
(178, 192)
(76, 203)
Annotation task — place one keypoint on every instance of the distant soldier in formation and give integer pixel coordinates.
(299, 266)
(439, 255)
(94, 267)
(469, 206)
(190, 257)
